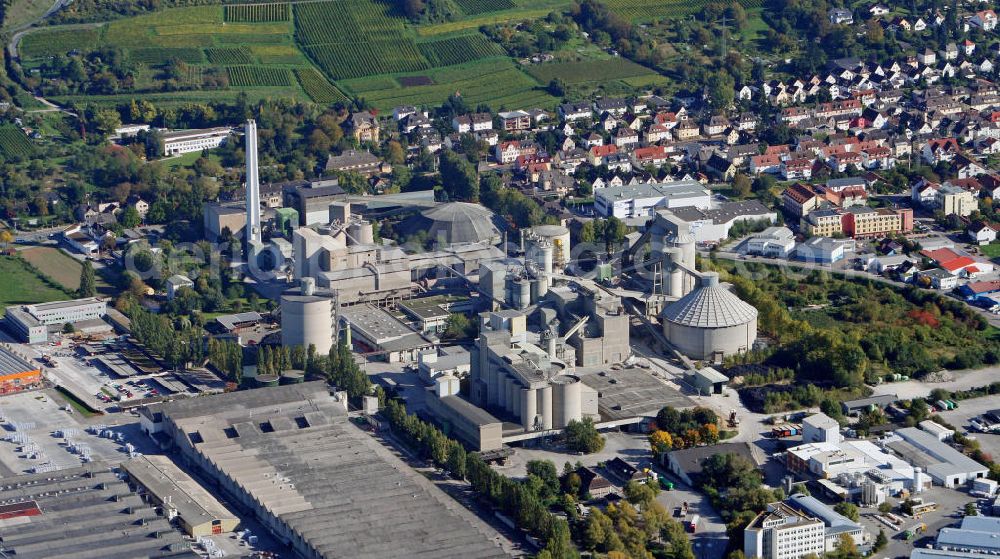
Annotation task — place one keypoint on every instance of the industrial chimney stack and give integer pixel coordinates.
(253, 184)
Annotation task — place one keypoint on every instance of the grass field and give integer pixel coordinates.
(991, 250)
(588, 71)
(21, 12)
(476, 22)
(649, 10)
(55, 264)
(21, 286)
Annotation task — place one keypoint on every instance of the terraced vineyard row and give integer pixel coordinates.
(47, 43)
(345, 21)
(258, 76)
(258, 13)
(367, 59)
(318, 88)
(230, 56)
(457, 50)
(13, 142)
(474, 7)
(490, 84)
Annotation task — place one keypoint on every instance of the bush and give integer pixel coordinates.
(582, 436)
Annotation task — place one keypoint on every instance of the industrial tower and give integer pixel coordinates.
(253, 184)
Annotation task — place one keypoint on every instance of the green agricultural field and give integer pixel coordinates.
(229, 55)
(21, 286)
(278, 54)
(356, 60)
(588, 71)
(648, 10)
(459, 50)
(52, 42)
(318, 88)
(13, 142)
(157, 55)
(474, 7)
(497, 83)
(258, 13)
(258, 76)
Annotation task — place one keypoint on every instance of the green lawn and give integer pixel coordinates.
(21, 286)
(991, 250)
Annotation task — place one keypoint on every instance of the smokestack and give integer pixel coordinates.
(253, 184)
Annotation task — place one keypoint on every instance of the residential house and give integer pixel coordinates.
(940, 149)
(474, 122)
(840, 16)
(796, 169)
(364, 127)
(515, 121)
(985, 20)
(981, 233)
(800, 199)
(570, 112)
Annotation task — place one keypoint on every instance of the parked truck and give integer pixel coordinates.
(692, 524)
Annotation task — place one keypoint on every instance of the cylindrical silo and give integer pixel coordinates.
(546, 405)
(539, 288)
(529, 408)
(545, 254)
(307, 320)
(558, 237)
(266, 381)
(292, 376)
(362, 232)
(567, 400)
(522, 290)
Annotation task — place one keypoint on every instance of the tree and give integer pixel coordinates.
(87, 283)
(6, 237)
(970, 509)
(545, 471)
(850, 510)
(660, 442)
(456, 461)
(458, 326)
(640, 494)
(742, 185)
(68, 328)
(880, 541)
(721, 89)
(885, 507)
(582, 436)
(131, 217)
(458, 178)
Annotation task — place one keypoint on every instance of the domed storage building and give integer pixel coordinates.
(710, 322)
(455, 223)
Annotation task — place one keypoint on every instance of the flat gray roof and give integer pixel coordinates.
(291, 451)
(11, 364)
(942, 460)
(632, 392)
(171, 485)
(674, 189)
(86, 513)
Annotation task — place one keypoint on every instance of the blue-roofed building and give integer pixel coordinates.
(836, 523)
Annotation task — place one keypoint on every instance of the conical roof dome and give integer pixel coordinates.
(710, 306)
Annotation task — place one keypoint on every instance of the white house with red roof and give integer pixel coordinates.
(957, 263)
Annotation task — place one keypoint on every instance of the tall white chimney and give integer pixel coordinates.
(253, 184)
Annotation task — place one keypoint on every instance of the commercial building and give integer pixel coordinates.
(776, 242)
(820, 428)
(187, 141)
(821, 250)
(945, 465)
(17, 373)
(168, 487)
(639, 200)
(83, 512)
(976, 535)
(713, 225)
(32, 323)
(864, 222)
(289, 456)
(852, 463)
(783, 532)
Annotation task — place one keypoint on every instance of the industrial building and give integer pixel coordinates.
(16, 372)
(290, 457)
(86, 512)
(945, 465)
(862, 405)
(640, 200)
(774, 242)
(976, 538)
(835, 524)
(178, 142)
(852, 464)
(217, 218)
(783, 532)
(710, 322)
(454, 223)
(33, 323)
(713, 225)
(377, 332)
(179, 496)
(820, 428)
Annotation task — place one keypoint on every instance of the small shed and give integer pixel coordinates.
(708, 380)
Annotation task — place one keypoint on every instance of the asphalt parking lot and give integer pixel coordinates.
(968, 409)
(42, 417)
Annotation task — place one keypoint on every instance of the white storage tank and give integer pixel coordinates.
(710, 322)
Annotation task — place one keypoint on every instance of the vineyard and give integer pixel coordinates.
(13, 142)
(588, 71)
(458, 50)
(258, 13)
(648, 10)
(475, 7)
(366, 59)
(47, 43)
(158, 56)
(345, 21)
(497, 84)
(318, 88)
(229, 56)
(258, 76)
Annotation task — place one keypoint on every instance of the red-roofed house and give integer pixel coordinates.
(957, 264)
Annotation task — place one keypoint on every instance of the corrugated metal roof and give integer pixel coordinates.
(710, 306)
